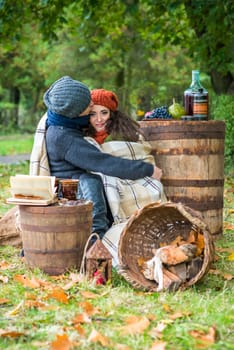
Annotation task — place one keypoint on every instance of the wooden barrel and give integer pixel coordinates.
(191, 155)
(54, 237)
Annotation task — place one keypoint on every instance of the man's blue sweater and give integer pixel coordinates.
(70, 155)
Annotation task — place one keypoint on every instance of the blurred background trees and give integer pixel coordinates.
(144, 50)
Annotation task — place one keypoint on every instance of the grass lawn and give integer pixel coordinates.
(38, 311)
(16, 144)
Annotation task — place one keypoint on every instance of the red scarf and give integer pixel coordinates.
(100, 136)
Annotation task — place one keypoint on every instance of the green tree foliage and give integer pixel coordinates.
(144, 49)
(212, 22)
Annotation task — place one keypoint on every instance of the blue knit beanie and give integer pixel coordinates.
(67, 97)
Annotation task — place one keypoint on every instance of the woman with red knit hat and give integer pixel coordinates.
(106, 120)
(125, 140)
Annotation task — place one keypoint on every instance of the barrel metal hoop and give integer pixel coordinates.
(214, 204)
(48, 228)
(193, 183)
(155, 135)
(43, 252)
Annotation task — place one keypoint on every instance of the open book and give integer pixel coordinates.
(32, 190)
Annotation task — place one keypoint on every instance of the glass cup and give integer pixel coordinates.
(69, 188)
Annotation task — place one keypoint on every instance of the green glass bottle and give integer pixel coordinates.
(196, 99)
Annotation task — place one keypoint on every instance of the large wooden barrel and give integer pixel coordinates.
(191, 155)
(54, 237)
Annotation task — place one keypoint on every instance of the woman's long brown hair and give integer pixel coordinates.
(120, 127)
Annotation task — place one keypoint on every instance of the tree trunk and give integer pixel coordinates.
(222, 84)
(15, 99)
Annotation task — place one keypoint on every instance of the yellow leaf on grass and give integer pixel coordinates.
(58, 294)
(89, 308)
(167, 308)
(16, 310)
(4, 265)
(61, 342)
(204, 339)
(4, 301)
(156, 332)
(179, 315)
(96, 337)
(81, 318)
(89, 295)
(75, 279)
(226, 276)
(27, 282)
(231, 256)
(135, 324)
(80, 330)
(223, 250)
(228, 226)
(10, 334)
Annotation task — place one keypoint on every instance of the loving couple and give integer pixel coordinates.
(119, 175)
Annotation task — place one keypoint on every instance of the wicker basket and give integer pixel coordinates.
(150, 228)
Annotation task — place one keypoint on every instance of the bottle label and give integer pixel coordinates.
(200, 107)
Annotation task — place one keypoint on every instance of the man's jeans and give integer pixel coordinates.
(91, 188)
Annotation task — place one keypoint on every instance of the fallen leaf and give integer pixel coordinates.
(231, 256)
(226, 276)
(179, 315)
(4, 265)
(166, 308)
(156, 332)
(224, 250)
(80, 330)
(75, 278)
(204, 339)
(59, 277)
(215, 272)
(27, 282)
(89, 295)
(135, 324)
(228, 226)
(61, 342)
(4, 301)
(16, 310)
(58, 294)
(158, 345)
(35, 304)
(4, 279)
(81, 318)
(10, 334)
(89, 308)
(97, 337)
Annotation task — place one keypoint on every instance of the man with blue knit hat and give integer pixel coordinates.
(71, 156)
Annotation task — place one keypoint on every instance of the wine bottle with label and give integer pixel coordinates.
(196, 102)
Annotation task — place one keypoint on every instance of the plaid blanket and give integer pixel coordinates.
(127, 196)
(39, 164)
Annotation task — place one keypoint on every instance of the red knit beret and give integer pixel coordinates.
(105, 98)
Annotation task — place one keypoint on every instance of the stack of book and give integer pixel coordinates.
(32, 190)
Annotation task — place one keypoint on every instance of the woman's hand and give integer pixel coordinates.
(157, 174)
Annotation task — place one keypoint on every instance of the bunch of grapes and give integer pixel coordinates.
(159, 113)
